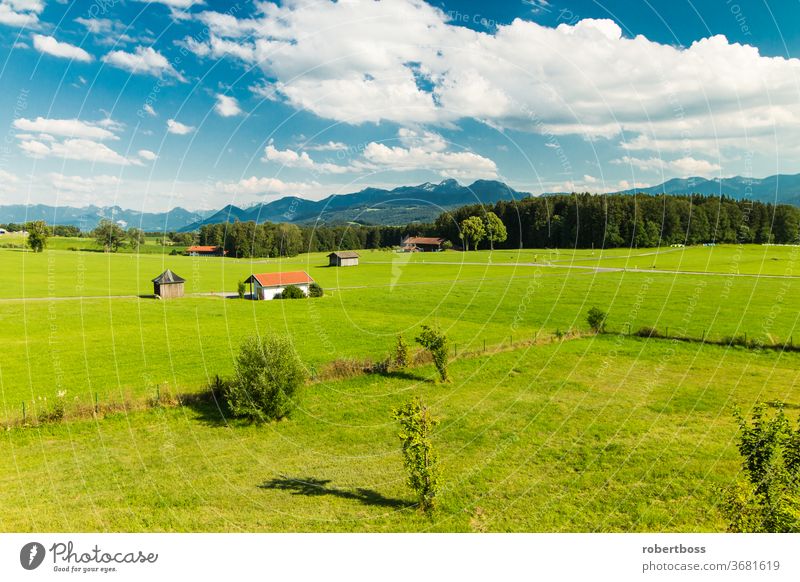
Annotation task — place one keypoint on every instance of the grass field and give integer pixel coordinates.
(611, 433)
(573, 436)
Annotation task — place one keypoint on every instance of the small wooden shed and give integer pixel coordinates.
(168, 285)
(343, 259)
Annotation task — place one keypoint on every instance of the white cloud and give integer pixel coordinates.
(686, 166)
(227, 106)
(330, 146)
(69, 127)
(21, 12)
(143, 61)
(463, 165)
(178, 128)
(8, 178)
(49, 45)
(147, 155)
(254, 185)
(75, 149)
(107, 31)
(293, 159)
(83, 184)
(149, 110)
(71, 139)
(585, 79)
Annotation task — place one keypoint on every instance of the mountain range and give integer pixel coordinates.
(781, 188)
(402, 205)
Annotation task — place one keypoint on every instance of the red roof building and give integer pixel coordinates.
(268, 285)
(205, 250)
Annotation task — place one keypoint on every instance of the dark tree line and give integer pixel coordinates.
(617, 220)
(248, 239)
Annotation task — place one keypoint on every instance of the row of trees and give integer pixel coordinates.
(248, 239)
(617, 220)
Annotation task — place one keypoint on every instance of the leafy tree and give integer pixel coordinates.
(495, 229)
(472, 231)
(402, 355)
(768, 499)
(109, 235)
(135, 237)
(38, 232)
(419, 457)
(596, 318)
(435, 341)
(268, 373)
(315, 290)
(240, 289)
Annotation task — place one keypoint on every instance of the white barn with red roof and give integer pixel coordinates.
(268, 285)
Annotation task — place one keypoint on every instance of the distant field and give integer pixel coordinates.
(611, 433)
(603, 434)
(128, 346)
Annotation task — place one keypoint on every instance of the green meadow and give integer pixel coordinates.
(598, 434)
(606, 433)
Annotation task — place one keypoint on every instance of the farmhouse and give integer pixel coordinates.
(425, 244)
(205, 251)
(268, 285)
(168, 285)
(343, 259)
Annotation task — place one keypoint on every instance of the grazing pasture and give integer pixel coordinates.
(605, 433)
(596, 434)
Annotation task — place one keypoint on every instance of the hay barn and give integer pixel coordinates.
(168, 285)
(343, 259)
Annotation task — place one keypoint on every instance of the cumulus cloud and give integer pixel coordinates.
(686, 166)
(71, 139)
(101, 130)
(330, 146)
(293, 159)
(464, 165)
(75, 149)
(143, 61)
(227, 106)
(21, 12)
(254, 185)
(178, 128)
(50, 46)
(82, 183)
(585, 79)
(149, 110)
(147, 155)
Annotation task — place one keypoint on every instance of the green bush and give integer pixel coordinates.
(240, 289)
(433, 340)
(291, 292)
(768, 498)
(419, 457)
(596, 318)
(268, 373)
(315, 290)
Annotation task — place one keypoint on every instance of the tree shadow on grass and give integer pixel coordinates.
(312, 487)
(405, 375)
(209, 407)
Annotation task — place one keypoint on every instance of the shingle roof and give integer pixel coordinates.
(344, 254)
(202, 249)
(168, 277)
(281, 279)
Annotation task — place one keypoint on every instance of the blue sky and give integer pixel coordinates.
(155, 104)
